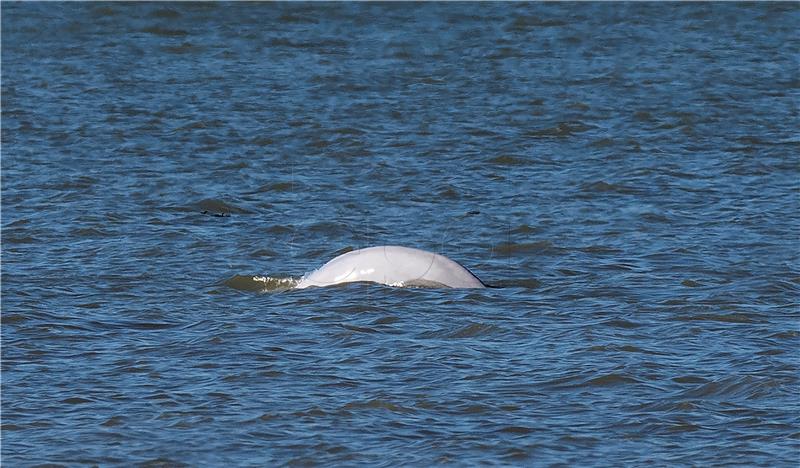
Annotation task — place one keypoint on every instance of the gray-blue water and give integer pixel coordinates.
(629, 174)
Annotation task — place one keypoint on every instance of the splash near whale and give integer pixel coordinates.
(393, 266)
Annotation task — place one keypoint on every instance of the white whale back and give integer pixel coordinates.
(394, 266)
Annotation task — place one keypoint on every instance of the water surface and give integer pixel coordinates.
(628, 173)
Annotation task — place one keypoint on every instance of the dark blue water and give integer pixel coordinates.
(629, 174)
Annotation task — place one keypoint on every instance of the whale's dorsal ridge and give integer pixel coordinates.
(392, 265)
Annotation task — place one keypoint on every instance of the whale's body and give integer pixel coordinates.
(393, 266)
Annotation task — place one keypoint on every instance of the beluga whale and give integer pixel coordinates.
(393, 266)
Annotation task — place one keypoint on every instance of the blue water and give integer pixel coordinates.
(628, 174)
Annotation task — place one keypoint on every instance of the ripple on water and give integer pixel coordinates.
(170, 170)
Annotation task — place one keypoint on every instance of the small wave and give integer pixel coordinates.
(562, 130)
(213, 205)
(527, 23)
(621, 323)
(376, 404)
(281, 187)
(356, 329)
(164, 13)
(602, 186)
(297, 18)
(260, 283)
(525, 283)
(520, 430)
(419, 284)
(580, 381)
(726, 318)
(471, 330)
(608, 380)
(540, 247)
(20, 239)
(164, 32)
(747, 387)
(506, 160)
